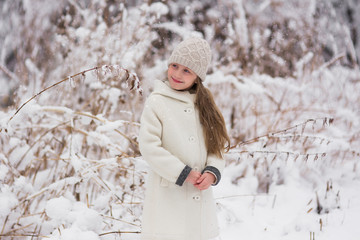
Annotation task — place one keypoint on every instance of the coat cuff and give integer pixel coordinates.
(214, 171)
(183, 175)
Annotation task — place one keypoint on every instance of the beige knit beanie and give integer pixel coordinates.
(193, 53)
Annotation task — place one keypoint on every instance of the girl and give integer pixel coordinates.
(182, 137)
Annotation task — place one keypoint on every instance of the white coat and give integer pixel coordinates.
(170, 138)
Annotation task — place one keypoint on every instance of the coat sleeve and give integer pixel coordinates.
(160, 160)
(215, 165)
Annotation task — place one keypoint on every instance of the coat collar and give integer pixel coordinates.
(163, 88)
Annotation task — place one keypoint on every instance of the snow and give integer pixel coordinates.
(7, 201)
(78, 219)
(159, 9)
(181, 31)
(70, 167)
(289, 210)
(3, 172)
(58, 208)
(74, 233)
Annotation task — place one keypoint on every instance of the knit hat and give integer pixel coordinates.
(193, 53)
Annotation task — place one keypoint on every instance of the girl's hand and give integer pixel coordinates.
(205, 181)
(193, 177)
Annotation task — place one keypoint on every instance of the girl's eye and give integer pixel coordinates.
(174, 66)
(187, 71)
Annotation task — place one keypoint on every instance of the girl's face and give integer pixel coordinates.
(180, 77)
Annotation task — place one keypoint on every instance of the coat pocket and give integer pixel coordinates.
(164, 182)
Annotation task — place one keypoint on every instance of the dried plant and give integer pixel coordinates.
(77, 151)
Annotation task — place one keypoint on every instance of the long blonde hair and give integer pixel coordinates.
(212, 120)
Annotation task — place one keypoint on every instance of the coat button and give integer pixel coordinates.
(197, 198)
(196, 169)
(188, 110)
(192, 139)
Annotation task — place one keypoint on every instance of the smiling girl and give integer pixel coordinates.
(182, 137)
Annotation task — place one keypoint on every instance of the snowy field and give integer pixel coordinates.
(289, 211)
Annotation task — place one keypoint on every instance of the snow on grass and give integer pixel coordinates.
(289, 211)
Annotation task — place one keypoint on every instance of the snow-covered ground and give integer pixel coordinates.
(289, 211)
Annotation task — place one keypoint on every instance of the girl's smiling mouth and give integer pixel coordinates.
(176, 81)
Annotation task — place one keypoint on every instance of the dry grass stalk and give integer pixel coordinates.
(134, 81)
(119, 232)
(292, 130)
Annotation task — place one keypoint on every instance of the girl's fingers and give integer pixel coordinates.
(200, 179)
(196, 174)
(203, 185)
(203, 177)
(203, 182)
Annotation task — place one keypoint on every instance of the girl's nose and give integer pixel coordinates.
(177, 73)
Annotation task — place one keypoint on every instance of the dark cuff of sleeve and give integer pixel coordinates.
(183, 175)
(214, 171)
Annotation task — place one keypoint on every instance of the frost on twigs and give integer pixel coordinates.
(290, 146)
(115, 73)
(75, 152)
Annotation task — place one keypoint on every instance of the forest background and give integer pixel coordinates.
(285, 74)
